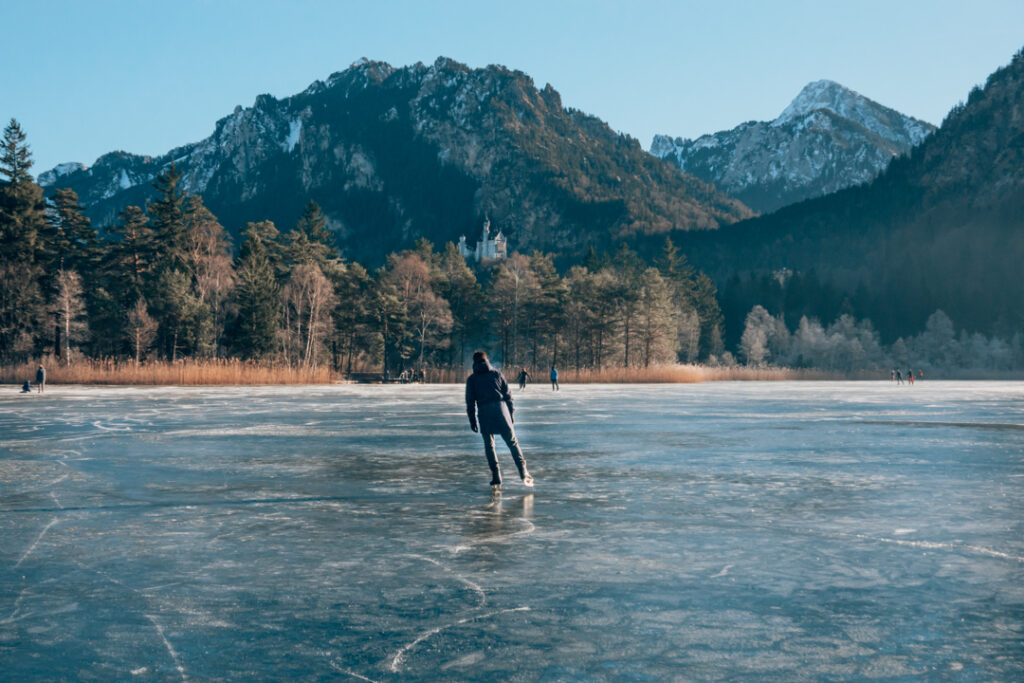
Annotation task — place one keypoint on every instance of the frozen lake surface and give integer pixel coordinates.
(784, 531)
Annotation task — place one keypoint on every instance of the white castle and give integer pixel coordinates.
(486, 248)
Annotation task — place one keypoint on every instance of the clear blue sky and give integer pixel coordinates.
(88, 77)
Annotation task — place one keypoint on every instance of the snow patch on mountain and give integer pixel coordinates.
(294, 131)
(47, 178)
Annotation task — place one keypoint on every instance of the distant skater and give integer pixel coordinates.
(892, 375)
(26, 388)
(40, 378)
(899, 377)
(910, 376)
(488, 396)
(554, 379)
(524, 377)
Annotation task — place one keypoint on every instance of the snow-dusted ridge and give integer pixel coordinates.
(828, 138)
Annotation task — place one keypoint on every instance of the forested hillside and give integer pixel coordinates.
(163, 282)
(395, 154)
(941, 229)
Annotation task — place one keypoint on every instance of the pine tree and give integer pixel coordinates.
(465, 297)
(256, 295)
(310, 242)
(70, 241)
(313, 223)
(16, 158)
(22, 220)
(167, 213)
(351, 314)
(176, 310)
(706, 304)
(546, 312)
(672, 263)
(131, 254)
(390, 320)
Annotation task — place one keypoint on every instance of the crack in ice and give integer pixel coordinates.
(353, 674)
(38, 538)
(934, 545)
(170, 648)
(481, 594)
(396, 661)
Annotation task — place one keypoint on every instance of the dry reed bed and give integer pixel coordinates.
(186, 373)
(238, 372)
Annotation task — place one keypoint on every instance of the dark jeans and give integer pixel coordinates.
(509, 436)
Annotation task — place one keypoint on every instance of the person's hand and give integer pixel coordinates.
(473, 426)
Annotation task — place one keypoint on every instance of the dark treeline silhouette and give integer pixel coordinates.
(939, 229)
(164, 282)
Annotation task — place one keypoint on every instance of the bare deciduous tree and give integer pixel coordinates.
(140, 329)
(70, 309)
(308, 298)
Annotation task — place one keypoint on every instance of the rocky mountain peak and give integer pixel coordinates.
(827, 139)
(840, 101)
(823, 94)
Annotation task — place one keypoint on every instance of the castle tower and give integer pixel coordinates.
(487, 248)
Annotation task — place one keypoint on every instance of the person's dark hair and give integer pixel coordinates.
(479, 356)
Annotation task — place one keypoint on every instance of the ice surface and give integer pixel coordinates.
(768, 531)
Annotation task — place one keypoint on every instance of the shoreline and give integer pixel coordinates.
(230, 373)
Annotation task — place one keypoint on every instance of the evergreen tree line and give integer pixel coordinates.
(163, 282)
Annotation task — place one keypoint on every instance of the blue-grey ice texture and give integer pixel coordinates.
(759, 531)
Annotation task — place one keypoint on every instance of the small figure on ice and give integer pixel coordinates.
(40, 378)
(26, 388)
(488, 396)
(554, 379)
(523, 378)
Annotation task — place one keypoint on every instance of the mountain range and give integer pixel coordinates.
(395, 154)
(827, 139)
(942, 227)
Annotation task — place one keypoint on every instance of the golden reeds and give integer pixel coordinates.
(185, 372)
(192, 372)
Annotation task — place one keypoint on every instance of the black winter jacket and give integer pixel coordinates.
(487, 394)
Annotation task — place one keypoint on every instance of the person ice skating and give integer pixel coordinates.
(899, 377)
(554, 379)
(488, 396)
(524, 377)
(26, 388)
(892, 375)
(40, 378)
(910, 376)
